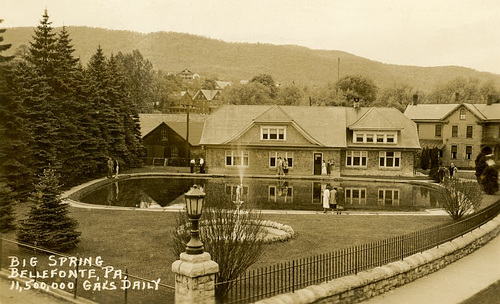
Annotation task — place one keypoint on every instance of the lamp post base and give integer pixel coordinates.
(195, 278)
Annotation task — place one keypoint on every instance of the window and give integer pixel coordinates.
(437, 130)
(389, 159)
(273, 133)
(174, 151)
(356, 158)
(462, 114)
(468, 152)
(237, 158)
(454, 150)
(378, 137)
(273, 158)
(454, 131)
(388, 197)
(355, 196)
(469, 132)
(164, 135)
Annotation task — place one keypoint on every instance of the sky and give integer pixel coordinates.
(408, 32)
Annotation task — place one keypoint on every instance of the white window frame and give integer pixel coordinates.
(350, 155)
(468, 155)
(394, 201)
(244, 155)
(265, 132)
(350, 199)
(275, 154)
(375, 136)
(454, 154)
(383, 155)
(463, 114)
(471, 131)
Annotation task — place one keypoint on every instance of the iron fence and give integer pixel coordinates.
(33, 267)
(297, 274)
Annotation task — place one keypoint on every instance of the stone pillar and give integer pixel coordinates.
(195, 278)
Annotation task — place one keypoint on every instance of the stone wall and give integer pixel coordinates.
(367, 284)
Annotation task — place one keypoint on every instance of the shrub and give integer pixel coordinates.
(6, 212)
(234, 241)
(489, 180)
(424, 159)
(460, 197)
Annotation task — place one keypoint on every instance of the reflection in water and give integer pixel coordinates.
(264, 194)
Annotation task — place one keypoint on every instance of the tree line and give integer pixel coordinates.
(56, 113)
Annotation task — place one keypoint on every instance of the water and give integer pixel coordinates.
(263, 194)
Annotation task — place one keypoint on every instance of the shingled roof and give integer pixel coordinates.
(176, 122)
(441, 111)
(324, 126)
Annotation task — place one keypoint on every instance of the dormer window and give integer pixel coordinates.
(273, 133)
(462, 114)
(379, 138)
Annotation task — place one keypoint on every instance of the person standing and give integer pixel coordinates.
(328, 169)
(202, 165)
(452, 169)
(279, 166)
(340, 200)
(110, 165)
(285, 165)
(326, 199)
(117, 168)
(333, 199)
(323, 168)
(192, 163)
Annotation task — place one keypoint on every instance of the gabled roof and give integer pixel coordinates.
(374, 119)
(442, 111)
(273, 114)
(223, 84)
(209, 94)
(177, 122)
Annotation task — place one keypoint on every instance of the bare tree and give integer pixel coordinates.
(460, 197)
(233, 239)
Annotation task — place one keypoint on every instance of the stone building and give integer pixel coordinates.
(358, 141)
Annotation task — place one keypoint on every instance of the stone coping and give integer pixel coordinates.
(393, 274)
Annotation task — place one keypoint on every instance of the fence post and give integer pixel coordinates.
(35, 264)
(126, 289)
(293, 275)
(76, 278)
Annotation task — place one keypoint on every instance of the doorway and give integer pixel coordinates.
(318, 158)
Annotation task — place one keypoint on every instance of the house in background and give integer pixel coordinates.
(359, 141)
(202, 102)
(459, 131)
(188, 75)
(164, 137)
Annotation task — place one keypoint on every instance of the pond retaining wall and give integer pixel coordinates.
(370, 283)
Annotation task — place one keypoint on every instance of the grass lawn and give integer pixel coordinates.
(140, 240)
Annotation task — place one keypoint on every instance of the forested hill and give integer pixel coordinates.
(173, 52)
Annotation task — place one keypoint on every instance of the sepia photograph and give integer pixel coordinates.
(221, 151)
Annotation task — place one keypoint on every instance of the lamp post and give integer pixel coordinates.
(194, 204)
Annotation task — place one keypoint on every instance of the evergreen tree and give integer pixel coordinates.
(424, 159)
(6, 211)
(14, 149)
(434, 164)
(480, 165)
(35, 80)
(96, 87)
(48, 224)
(489, 180)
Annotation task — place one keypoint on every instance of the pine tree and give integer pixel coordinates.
(96, 84)
(14, 149)
(489, 180)
(7, 200)
(48, 224)
(480, 165)
(35, 81)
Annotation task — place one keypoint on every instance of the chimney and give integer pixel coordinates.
(356, 102)
(415, 99)
(490, 100)
(457, 96)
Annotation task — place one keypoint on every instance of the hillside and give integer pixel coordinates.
(173, 52)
